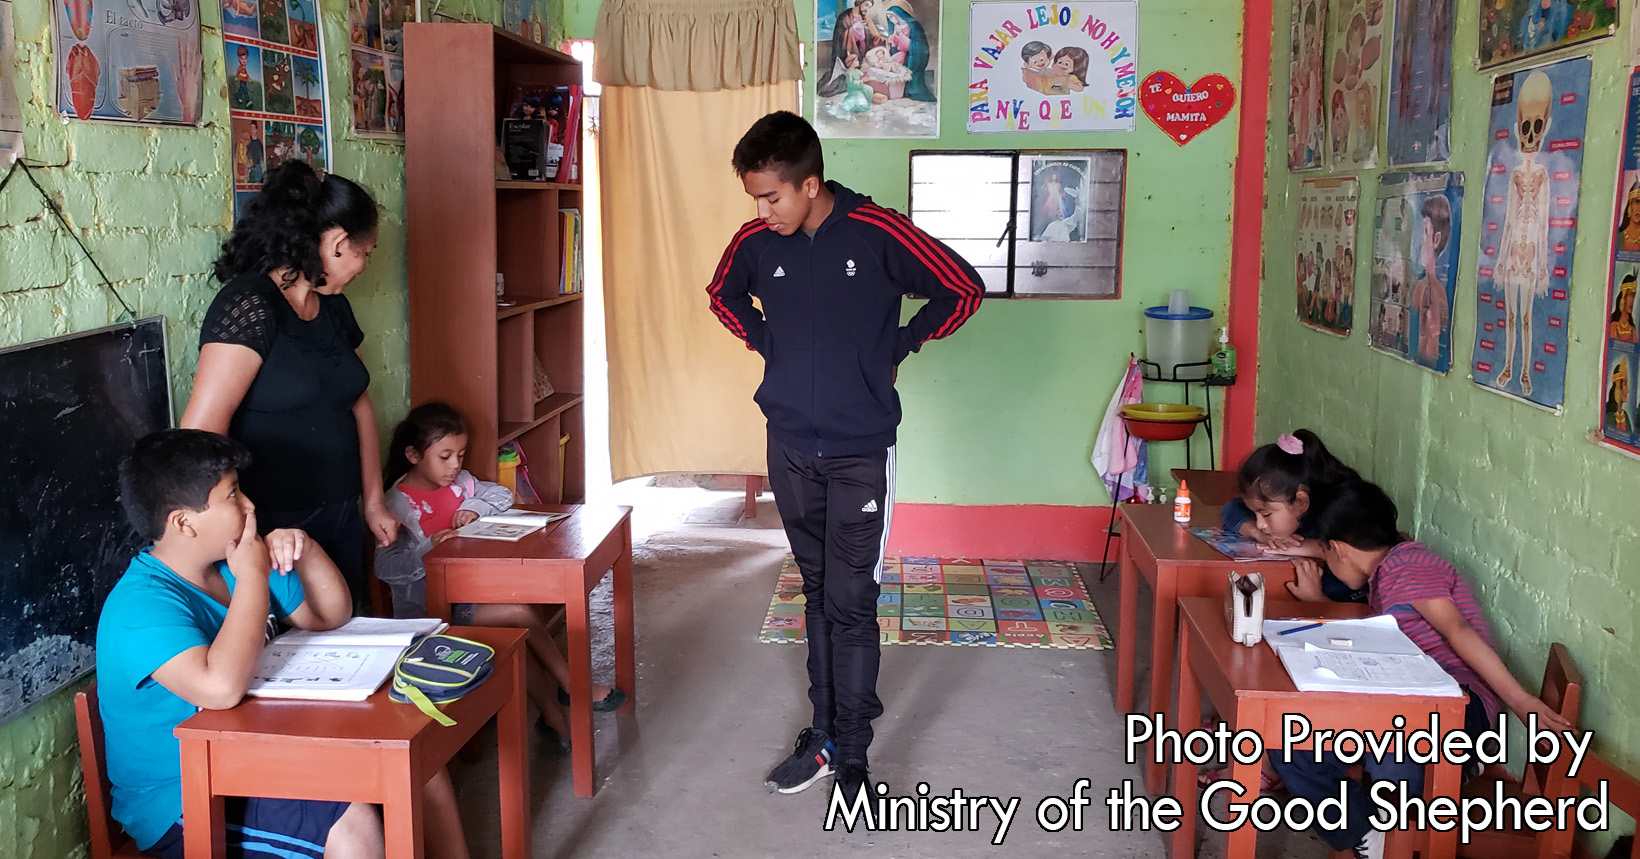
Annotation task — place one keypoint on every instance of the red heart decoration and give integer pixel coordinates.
(1186, 111)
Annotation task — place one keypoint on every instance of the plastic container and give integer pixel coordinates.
(1179, 337)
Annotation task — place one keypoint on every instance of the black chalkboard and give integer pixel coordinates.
(69, 409)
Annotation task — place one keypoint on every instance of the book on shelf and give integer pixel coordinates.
(510, 526)
(347, 663)
(559, 108)
(526, 143)
(572, 272)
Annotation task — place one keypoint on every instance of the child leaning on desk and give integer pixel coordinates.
(433, 496)
(183, 629)
(1433, 605)
(1283, 487)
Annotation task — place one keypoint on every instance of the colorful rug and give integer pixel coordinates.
(962, 601)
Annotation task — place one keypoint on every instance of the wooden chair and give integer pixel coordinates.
(108, 839)
(1563, 691)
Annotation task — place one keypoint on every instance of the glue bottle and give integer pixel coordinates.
(1181, 504)
(1224, 360)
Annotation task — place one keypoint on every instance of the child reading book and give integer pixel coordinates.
(433, 496)
(183, 630)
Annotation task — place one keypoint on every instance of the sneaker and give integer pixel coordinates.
(851, 778)
(809, 762)
(1371, 846)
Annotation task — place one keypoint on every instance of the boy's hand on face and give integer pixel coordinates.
(248, 555)
(462, 518)
(285, 547)
(1306, 585)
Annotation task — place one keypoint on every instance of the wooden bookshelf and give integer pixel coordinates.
(465, 226)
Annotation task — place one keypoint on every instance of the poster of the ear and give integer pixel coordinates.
(1528, 231)
(276, 89)
(1513, 29)
(1622, 340)
(1053, 67)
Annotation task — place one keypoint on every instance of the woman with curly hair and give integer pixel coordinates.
(279, 368)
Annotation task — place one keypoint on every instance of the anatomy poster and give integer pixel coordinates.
(11, 117)
(1306, 121)
(1055, 67)
(878, 68)
(1420, 83)
(1512, 29)
(1528, 230)
(1326, 254)
(1355, 82)
(1415, 248)
(276, 89)
(1622, 339)
(135, 62)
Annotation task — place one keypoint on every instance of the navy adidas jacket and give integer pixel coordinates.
(829, 331)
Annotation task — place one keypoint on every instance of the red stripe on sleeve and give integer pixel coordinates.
(934, 258)
(716, 288)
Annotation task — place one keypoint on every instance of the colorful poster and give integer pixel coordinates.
(1355, 82)
(1306, 121)
(1326, 254)
(1056, 67)
(1514, 29)
(1415, 249)
(136, 63)
(878, 65)
(1622, 339)
(1529, 230)
(276, 89)
(376, 31)
(525, 18)
(1420, 83)
(11, 115)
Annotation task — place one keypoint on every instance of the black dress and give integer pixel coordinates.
(297, 416)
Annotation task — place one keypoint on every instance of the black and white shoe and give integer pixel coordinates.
(1371, 846)
(851, 777)
(809, 762)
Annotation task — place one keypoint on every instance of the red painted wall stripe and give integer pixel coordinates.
(1247, 227)
(1040, 532)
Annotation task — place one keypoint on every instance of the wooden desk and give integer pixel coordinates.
(560, 564)
(1174, 563)
(1251, 690)
(1210, 488)
(375, 751)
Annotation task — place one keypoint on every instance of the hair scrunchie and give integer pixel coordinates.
(1290, 443)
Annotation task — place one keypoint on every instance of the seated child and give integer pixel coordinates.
(183, 629)
(1435, 608)
(433, 496)
(1283, 485)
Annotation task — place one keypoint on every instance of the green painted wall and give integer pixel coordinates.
(152, 205)
(1536, 516)
(1006, 410)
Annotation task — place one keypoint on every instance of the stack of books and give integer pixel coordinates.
(573, 272)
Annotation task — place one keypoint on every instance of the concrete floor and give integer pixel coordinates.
(717, 709)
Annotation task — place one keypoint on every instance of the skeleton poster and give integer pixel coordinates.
(1420, 82)
(1055, 67)
(1622, 339)
(1513, 29)
(878, 64)
(1306, 121)
(1355, 82)
(1528, 230)
(1414, 267)
(1326, 254)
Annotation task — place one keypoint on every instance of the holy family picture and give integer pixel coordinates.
(877, 68)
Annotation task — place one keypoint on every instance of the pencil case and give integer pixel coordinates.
(439, 669)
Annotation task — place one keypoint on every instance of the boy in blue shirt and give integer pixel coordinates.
(183, 629)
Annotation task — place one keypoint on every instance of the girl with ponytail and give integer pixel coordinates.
(1284, 486)
(279, 368)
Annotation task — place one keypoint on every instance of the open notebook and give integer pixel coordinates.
(511, 526)
(1370, 655)
(347, 663)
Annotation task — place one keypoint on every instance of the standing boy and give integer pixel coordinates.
(830, 267)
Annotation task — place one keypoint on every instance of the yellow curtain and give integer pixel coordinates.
(680, 386)
(698, 45)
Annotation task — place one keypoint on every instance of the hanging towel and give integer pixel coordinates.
(1115, 453)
